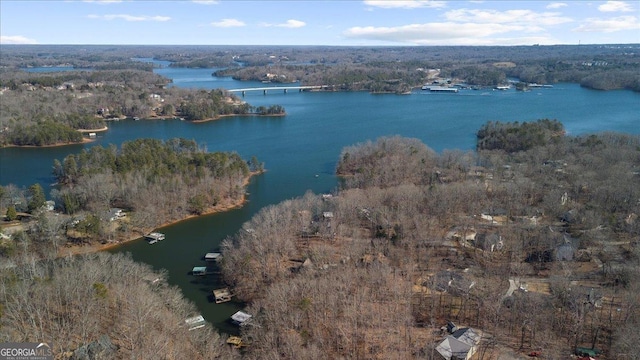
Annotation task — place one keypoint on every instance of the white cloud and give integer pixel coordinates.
(405, 4)
(556, 5)
(471, 27)
(288, 24)
(431, 33)
(205, 2)
(16, 39)
(129, 17)
(225, 23)
(292, 24)
(615, 6)
(609, 25)
(522, 17)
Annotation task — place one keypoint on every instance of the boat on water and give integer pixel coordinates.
(440, 88)
(503, 87)
(154, 237)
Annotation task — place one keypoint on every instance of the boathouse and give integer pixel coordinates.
(199, 270)
(195, 322)
(154, 237)
(221, 295)
(212, 256)
(240, 318)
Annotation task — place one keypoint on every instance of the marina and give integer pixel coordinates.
(440, 88)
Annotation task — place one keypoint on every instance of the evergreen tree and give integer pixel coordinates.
(12, 214)
(36, 197)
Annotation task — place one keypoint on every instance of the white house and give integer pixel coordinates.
(115, 214)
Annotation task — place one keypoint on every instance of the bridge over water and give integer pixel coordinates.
(283, 88)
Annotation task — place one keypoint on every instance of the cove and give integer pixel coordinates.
(300, 150)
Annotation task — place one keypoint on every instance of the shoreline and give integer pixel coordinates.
(84, 141)
(82, 131)
(219, 117)
(106, 128)
(93, 248)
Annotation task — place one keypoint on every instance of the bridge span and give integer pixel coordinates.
(283, 88)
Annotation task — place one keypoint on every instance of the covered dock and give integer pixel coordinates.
(199, 270)
(240, 318)
(195, 322)
(222, 295)
(154, 237)
(213, 256)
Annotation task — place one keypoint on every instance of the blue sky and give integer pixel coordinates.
(336, 22)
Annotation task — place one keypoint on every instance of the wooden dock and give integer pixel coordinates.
(222, 295)
(154, 237)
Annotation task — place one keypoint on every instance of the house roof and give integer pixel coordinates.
(468, 336)
(240, 317)
(459, 343)
(451, 347)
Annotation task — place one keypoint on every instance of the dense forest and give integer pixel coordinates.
(415, 239)
(102, 306)
(93, 182)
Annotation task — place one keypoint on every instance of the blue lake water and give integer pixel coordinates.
(300, 150)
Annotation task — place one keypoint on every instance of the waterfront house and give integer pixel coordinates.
(49, 205)
(115, 214)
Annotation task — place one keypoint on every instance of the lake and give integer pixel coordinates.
(300, 150)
